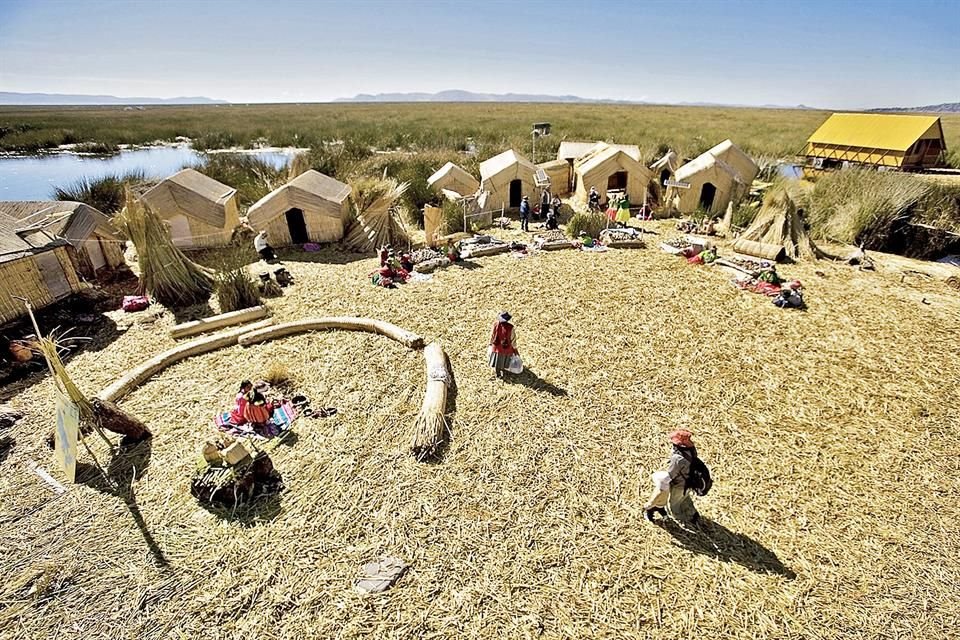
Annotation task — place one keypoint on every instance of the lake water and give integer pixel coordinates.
(34, 177)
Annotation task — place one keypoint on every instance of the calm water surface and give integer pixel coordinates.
(34, 177)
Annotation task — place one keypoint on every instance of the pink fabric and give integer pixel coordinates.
(682, 438)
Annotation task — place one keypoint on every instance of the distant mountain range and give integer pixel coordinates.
(12, 98)
(458, 95)
(946, 107)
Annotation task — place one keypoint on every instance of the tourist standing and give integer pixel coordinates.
(525, 214)
(544, 204)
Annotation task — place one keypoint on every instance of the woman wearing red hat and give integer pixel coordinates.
(670, 486)
(503, 344)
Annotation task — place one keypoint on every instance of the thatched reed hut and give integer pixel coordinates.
(663, 169)
(35, 265)
(312, 207)
(201, 212)
(778, 231)
(610, 168)
(714, 179)
(85, 228)
(560, 175)
(451, 177)
(506, 178)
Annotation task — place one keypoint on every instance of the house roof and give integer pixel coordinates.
(893, 132)
(603, 155)
(492, 166)
(670, 160)
(571, 150)
(576, 150)
(72, 221)
(310, 191)
(452, 170)
(192, 194)
(15, 244)
(728, 157)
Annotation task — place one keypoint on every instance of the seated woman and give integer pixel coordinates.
(240, 405)
(257, 410)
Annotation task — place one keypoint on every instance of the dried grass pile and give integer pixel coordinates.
(589, 223)
(829, 432)
(236, 290)
(431, 429)
(378, 219)
(778, 226)
(170, 278)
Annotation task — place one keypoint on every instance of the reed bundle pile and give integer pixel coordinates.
(378, 220)
(778, 230)
(95, 414)
(170, 278)
(431, 428)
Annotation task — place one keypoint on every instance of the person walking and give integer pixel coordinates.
(525, 214)
(671, 493)
(503, 344)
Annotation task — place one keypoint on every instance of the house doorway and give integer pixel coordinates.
(297, 227)
(664, 176)
(707, 193)
(516, 193)
(617, 181)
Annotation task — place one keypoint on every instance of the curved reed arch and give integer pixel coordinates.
(431, 426)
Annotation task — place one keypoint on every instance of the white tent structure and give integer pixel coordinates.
(451, 177)
(506, 178)
(610, 168)
(310, 208)
(201, 212)
(716, 178)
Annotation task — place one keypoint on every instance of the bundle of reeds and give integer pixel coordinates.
(95, 414)
(236, 290)
(377, 219)
(778, 224)
(166, 273)
(589, 223)
(431, 428)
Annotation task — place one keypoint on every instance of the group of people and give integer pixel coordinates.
(618, 207)
(548, 211)
(686, 475)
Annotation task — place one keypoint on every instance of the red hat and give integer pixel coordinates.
(682, 438)
(796, 285)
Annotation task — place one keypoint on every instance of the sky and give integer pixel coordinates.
(840, 54)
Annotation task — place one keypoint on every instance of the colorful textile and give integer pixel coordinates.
(135, 303)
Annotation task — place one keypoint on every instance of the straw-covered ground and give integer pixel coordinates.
(831, 434)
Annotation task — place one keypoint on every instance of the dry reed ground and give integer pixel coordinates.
(831, 433)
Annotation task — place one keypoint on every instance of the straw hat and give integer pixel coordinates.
(682, 438)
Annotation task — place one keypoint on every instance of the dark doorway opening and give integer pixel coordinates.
(516, 193)
(707, 193)
(664, 176)
(297, 227)
(617, 181)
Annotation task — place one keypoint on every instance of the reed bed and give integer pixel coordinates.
(830, 432)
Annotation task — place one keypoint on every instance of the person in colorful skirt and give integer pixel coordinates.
(673, 496)
(623, 210)
(503, 344)
(240, 404)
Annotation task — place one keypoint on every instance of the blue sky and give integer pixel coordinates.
(841, 54)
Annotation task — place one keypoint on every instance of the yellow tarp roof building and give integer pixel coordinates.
(901, 141)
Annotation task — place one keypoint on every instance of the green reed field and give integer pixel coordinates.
(775, 133)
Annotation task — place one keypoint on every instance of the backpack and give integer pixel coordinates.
(699, 480)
